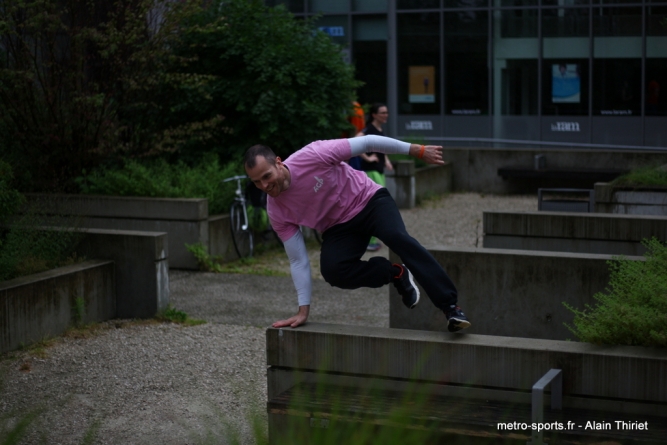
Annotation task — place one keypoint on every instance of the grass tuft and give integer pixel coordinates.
(173, 315)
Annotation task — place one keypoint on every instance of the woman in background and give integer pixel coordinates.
(375, 163)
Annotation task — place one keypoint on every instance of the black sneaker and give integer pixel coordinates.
(456, 319)
(405, 284)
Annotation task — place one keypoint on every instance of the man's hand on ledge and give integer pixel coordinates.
(297, 320)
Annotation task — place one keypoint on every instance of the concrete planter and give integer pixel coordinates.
(45, 304)
(641, 200)
(471, 382)
(603, 233)
(496, 284)
(186, 221)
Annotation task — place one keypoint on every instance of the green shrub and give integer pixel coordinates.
(25, 248)
(651, 176)
(273, 79)
(159, 179)
(633, 310)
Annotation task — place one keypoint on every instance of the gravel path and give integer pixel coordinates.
(148, 382)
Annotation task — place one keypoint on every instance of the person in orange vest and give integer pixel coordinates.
(359, 123)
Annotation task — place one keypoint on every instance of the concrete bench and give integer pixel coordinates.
(611, 234)
(335, 378)
(496, 286)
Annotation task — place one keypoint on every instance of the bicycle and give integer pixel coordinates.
(239, 222)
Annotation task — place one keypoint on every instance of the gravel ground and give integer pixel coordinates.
(134, 382)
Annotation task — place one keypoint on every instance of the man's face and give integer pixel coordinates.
(267, 177)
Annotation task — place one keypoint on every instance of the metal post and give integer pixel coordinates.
(555, 377)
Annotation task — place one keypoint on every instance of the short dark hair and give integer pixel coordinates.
(250, 157)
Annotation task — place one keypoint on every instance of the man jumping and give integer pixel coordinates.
(316, 188)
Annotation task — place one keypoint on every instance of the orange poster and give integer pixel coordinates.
(422, 84)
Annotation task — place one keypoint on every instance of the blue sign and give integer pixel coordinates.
(333, 31)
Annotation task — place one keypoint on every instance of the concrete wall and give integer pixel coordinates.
(185, 220)
(476, 169)
(610, 234)
(43, 305)
(142, 268)
(220, 242)
(634, 201)
(409, 185)
(500, 368)
(510, 292)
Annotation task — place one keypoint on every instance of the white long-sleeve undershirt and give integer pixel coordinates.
(382, 144)
(295, 247)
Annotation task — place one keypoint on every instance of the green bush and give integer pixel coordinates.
(646, 176)
(159, 179)
(272, 78)
(633, 310)
(28, 249)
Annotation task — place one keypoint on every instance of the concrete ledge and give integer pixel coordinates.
(502, 363)
(142, 268)
(43, 305)
(476, 169)
(495, 285)
(185, 220)
(177, 209)
(572, 232)
(630, 200)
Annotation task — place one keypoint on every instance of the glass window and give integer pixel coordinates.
(609, 22)
(617, 87)
(369, 52)
(465, 3)
(368, 5)
(417, 4)
(656, 18)
(517, 23)
(519, 88)
(291, 5)
(466, 66)
(565, 87)
(335, 26)
(656, 85)
(419, 63)
(565, 22)
(336, 6)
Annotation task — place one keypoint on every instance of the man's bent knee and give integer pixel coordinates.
(336, 276)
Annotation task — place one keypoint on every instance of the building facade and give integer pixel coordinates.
(496, 72)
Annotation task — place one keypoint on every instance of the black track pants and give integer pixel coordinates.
(344, 244)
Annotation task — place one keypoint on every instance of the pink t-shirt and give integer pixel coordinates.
(324, 190)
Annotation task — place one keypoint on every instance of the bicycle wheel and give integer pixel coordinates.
(242, 238)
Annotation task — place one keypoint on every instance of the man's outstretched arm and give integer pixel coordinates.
(300, 268)
(431, 154)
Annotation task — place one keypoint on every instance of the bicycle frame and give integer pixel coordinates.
(240, 197)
